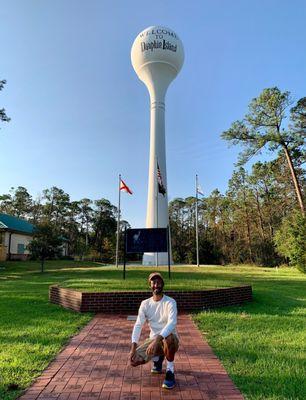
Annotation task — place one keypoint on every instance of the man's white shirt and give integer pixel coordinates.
(161, 316)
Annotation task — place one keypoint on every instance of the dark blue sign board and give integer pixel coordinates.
(150, 240)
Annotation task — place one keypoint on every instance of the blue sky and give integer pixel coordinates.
(80, 116)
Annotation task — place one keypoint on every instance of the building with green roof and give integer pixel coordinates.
(15, 235)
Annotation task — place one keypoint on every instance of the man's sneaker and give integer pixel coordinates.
(169, 381)
(157, 366)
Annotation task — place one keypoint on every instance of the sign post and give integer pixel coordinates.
(168, 246)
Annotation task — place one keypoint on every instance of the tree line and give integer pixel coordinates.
(241, 225)
(260, 219)
(89, 226)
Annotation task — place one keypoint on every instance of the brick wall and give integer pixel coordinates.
(128, 302)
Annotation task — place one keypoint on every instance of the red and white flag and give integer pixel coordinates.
(124, 187)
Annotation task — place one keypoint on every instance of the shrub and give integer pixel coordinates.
(290, 240)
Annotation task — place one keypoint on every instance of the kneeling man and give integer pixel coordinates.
(161, 313)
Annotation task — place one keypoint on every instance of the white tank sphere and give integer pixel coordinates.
(156, 46)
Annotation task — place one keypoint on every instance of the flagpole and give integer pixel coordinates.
(197, 230)
(118, 224)
(156, 254)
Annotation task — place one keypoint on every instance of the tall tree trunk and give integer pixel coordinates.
(260, 216)
(248, 227)
(86, 237)
(270, 219)
(297, 187)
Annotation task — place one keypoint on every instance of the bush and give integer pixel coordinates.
(290, 240)
(69, 258)
(265, 254)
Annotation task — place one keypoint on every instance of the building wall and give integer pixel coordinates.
(2, 253)
(20, 239)
(17, 239)
(2, 246)
(64, 249)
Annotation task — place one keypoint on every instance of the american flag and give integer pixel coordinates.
(161, 187)
(199, 190)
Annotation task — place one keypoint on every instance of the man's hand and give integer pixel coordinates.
(154, 346)
(132, 354)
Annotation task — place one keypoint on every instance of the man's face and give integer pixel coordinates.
(157, 285)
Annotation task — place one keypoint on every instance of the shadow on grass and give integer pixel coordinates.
(271, 386)
(240, 336)
(273, 290)
(260, 343)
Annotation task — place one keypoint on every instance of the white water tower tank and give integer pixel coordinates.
(157, 56)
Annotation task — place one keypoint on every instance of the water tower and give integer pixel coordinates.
(157, 56)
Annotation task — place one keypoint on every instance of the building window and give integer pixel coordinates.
(20, 248)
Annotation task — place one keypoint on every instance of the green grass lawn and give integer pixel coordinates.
(261, 344)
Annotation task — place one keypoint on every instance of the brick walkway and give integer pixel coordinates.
(94, 366)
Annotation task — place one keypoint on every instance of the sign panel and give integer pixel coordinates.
(150, 240)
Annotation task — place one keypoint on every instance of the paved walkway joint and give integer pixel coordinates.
(94, 366)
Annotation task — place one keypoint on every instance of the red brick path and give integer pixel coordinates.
(94, 367)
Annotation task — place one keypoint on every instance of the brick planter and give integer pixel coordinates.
(128, 302)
